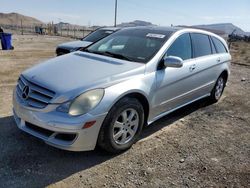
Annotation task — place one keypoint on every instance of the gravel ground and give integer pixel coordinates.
(201, 145)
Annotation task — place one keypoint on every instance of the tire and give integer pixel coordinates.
(218, 89)
(122, 126)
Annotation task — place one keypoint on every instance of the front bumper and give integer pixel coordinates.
(58, 129)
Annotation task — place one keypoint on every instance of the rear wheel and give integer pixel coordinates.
(218, 89)
(122, 126)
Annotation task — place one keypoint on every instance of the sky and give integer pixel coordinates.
(160, 12)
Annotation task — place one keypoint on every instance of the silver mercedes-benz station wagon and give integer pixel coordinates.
(105, 94)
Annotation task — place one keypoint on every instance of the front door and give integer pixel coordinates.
(174, 85)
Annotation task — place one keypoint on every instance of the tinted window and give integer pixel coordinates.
(181, 47)
(201, 44)
(97, 35)
(219, 46)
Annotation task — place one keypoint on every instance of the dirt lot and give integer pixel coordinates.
(200, 145)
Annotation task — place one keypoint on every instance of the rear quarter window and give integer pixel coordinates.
(219, 45)
(201, 44)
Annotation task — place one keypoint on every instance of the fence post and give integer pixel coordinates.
(21, 26)
(83, 32)
(74, 32)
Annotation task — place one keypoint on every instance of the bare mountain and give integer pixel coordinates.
(15, 19)
(227, 28)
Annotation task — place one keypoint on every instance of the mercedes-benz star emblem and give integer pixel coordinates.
(26, 91)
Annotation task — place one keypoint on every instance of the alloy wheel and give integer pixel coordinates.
(219, 88)
(125, 126)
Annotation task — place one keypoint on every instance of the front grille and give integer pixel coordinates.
(62, 51)
(37, 97)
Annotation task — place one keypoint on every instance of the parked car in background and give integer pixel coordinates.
(106, 93)
(86, 41)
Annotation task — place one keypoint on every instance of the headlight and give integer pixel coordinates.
(83, 103)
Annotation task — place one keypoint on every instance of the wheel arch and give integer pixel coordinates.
(102, 140)
(141, 97)
(225, 75)
(143, 100)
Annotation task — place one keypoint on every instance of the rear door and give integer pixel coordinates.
(221, 50)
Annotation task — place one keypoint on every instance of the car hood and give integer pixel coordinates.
(77, 72)
(74, 44)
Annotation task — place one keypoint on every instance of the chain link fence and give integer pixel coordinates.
(76, 32)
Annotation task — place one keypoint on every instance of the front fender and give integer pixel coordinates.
(143, 84)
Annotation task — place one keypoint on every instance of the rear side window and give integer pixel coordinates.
(201, 44)
(181, 47)
(219, 45)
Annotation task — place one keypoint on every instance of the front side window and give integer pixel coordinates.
(219, 46)
(181, 47)
(201, 44)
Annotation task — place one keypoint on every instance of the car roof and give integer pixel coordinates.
(164, 30)
(156, 28)
(159, 29)
(110, 28)
(170, 30)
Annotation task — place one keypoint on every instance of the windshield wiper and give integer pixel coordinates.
(108, 53)
(85, 49)
(119, 56)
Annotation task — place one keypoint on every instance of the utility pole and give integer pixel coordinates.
(115, 12)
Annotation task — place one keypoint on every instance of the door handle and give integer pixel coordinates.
(218, 59)
(192, 67)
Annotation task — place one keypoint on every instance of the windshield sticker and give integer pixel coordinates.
(155, 35)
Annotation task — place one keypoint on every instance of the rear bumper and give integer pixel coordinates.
(54, 129)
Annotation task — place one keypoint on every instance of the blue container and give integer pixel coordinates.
(6, 41)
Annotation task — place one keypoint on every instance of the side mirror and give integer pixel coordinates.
(173, 61)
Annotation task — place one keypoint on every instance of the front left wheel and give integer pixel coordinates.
(122, 126)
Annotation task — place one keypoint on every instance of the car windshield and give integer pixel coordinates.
(134, 44)
(97, 35)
